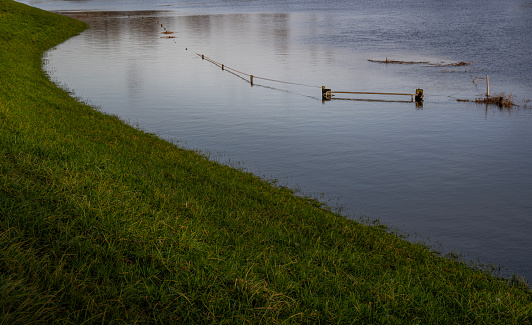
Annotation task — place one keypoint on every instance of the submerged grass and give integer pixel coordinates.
(499, 100)
(103, 223)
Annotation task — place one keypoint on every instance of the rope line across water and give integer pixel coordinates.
(455, 87)
(254, 76)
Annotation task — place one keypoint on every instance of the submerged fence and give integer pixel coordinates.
(326, 94)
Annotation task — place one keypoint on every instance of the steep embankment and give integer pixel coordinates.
(103, 223)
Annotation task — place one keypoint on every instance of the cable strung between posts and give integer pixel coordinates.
(250, 75)
(456, 87)
(236, 72)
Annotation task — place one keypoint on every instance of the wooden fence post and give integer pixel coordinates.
(419, 95)
(325, 93)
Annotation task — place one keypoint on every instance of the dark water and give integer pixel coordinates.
(459, 174)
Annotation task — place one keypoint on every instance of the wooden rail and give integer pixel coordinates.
(327, 94)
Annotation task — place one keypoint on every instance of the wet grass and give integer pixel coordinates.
(103, 223)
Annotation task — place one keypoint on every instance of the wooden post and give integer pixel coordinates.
(487, 86)
(222, 66)
(203, 57)
(251, 79)
(325, 93)
(419, 95)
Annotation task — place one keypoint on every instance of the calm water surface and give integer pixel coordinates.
(457, 173)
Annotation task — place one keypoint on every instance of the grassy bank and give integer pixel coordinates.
(103, 223)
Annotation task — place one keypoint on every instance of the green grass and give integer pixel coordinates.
(103, 223)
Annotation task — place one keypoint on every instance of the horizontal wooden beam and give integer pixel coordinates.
(369, 93)
(327, 93)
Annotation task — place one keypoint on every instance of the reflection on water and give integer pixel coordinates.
(458, 173)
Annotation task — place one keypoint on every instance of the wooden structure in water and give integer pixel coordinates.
(328, 93)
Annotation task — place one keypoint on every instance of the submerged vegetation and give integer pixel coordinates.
(103, 223)
(426, 63)
(499, 100)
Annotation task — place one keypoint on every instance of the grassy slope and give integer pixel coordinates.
(100, 222)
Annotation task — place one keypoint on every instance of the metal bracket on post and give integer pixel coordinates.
(325, 93)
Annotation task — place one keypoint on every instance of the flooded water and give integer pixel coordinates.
(458, 174)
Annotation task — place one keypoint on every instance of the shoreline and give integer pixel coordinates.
(104, 222)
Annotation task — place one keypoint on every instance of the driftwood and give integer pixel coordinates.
(426, 63)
